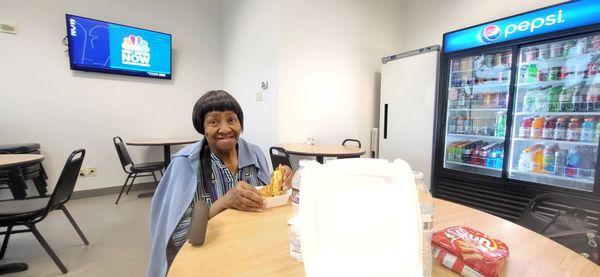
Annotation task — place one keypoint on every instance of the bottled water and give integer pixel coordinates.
(296, 187)
(427, 209)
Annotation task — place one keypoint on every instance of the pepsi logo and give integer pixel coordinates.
(490, 33)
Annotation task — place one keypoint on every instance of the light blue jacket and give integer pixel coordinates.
(176, 191)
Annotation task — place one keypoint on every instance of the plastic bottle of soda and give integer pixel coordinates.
(593, 98)
(548, 158)
(553, 99)
(529, 100)
(549, 126)
(524, 164)
(560, 130)
(578, 100)
(597, 132)
(574, 130)
(532, 72)
(525, 129)
(537, 128)
(565, 100)
(541, 100)
(500, 123)
(537, 157)
(452, 125)
(560, 159)
(587, 130)
(572, 165)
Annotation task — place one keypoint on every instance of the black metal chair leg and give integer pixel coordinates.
(122, 189)
(81, 235)
(5, 242)
(155, 180)
(47, 247)
(40, 185)
(131, 185)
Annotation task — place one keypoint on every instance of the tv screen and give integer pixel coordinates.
(101, 46)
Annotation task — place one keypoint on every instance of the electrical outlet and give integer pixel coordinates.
(88, 172)
(259, 96)
(8, 27)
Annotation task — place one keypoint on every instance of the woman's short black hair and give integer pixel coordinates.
(215, 100)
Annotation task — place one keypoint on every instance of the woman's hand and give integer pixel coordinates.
(287, 177)
(243, 197)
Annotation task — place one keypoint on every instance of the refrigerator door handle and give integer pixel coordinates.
(385, 121)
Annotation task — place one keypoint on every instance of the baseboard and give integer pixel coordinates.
(110, 190)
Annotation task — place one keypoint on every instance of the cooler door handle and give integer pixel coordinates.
(385, 121)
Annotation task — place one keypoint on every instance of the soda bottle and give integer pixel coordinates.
(500, 123)
(587, 130)
(572, 165)
(553, 99)
(585, 164)
(574, 130)
(549, 126)
(541, 100)
(529, 100)
(462, 99)
(426, 205)
(565, 99)
(531, 75)
(593, 98)
(548, 158)
(560, 130)
(525, 129)
(560, 159)
(578, 99)
(524, 164)
(537, 127)
(452, 125)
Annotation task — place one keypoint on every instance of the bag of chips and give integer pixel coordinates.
(469, 252)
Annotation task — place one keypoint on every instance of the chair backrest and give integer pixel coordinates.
(122, 152)
(352, 140)
(66, 182)
(279, 157)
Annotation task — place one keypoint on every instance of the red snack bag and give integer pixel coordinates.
(472, 249)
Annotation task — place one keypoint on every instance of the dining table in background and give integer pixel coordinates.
(164, 142)
(320, 151)
(257, 244)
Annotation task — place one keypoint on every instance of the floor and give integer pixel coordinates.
(118, 236)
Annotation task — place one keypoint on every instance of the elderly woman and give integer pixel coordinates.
(221, 170)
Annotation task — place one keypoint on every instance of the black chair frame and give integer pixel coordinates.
(61, 194)
(279, 157)
(127, 165)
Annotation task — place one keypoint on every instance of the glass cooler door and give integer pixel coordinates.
(556, 122)
(478, 95)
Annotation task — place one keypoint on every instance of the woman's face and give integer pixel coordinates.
(222, 130)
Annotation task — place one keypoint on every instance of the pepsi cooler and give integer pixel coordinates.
(518, 109)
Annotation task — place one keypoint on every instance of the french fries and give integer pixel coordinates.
(275, 187)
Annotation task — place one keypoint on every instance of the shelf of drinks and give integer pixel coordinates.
(558, 59)
(484, 86)
(557, 82)
(477, 137)
(551, 141)
(473, 165)
(477, 110)
(557, 113)
(483, 71)
(538, 177)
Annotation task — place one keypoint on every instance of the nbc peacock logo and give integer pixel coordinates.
(489, 34)
(135, 51)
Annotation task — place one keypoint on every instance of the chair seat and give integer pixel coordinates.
(146, 167)
(26, 206)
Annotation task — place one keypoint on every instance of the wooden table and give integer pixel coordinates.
(323, 150)
(12, 162)
(164, 142)
(256, 244)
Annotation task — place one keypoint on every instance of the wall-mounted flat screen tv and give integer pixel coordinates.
(102, 46)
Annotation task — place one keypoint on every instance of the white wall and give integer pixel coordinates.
(41, 100)
(250, 42)
(425, 21)
(329, 66)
